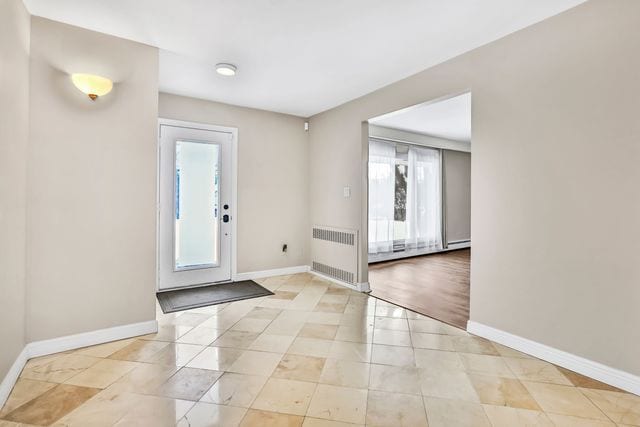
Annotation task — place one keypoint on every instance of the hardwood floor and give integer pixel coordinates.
(435, 285)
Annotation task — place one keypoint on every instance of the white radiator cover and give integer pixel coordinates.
(335, 255)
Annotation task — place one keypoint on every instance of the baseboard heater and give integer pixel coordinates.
(334, 253)
(459, 242)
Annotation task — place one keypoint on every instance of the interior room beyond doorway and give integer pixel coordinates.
(419, 208)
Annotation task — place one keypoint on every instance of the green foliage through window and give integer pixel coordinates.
(400, 206)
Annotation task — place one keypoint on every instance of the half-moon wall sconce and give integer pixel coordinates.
(92, 85)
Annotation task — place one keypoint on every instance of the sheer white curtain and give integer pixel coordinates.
(424, 213)
(382, 159)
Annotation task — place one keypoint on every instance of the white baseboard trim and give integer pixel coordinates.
(70, 342)
(359, 287)
(101, 336)
(606, 374)
(12, 376)
(270, 273)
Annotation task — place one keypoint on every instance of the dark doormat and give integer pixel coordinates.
(184, 299)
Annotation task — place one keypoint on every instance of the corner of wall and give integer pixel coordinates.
(14, 104)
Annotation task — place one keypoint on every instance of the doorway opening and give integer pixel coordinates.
(419, 208)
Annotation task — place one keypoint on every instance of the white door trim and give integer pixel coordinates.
(234, 187)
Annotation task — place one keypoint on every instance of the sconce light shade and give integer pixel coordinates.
(94, 86)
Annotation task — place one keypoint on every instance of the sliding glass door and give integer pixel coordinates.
(405, 200)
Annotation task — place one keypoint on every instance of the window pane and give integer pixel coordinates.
(197, 227)
(400, 205)
(400, 202)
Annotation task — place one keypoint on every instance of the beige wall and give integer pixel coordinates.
(273, 201)
(92, 183)
(555, 200)
(457, 190)
(14, 132)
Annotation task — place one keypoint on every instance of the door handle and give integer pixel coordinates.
(225, 218)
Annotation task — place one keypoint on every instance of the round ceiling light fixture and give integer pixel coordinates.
(226, 69)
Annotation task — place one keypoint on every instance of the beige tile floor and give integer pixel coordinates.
(313, 355)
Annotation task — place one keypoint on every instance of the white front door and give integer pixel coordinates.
(194, 245)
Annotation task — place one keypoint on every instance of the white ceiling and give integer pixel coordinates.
(299, 57)
(450, 118)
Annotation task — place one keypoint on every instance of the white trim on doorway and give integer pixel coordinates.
(234, 186)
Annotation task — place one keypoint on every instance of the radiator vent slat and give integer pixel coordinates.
(342, 237)
(334, 272)
(335, 253)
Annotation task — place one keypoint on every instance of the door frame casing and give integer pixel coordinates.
(234, 188)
